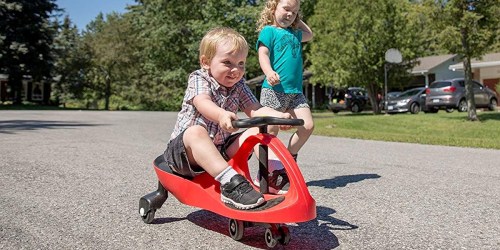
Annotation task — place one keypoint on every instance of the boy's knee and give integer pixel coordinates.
(195, 133)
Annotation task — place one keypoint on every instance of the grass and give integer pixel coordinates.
(450, 129)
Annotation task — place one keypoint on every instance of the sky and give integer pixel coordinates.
(81, 12)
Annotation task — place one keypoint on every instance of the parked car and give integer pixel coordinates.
(354, 99)
(450, 95)
(412, 100)
(393, 94)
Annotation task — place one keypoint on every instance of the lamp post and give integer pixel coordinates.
(391, 56)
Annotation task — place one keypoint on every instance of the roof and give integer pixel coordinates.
(428, 63)
(488, 60)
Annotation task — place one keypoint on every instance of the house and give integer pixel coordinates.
(485, 70)
(31, 91)
(431, 68)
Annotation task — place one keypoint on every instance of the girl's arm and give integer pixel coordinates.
(265, 64)
(307, 33)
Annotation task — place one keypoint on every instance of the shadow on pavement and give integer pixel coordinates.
(13, 126)
(342, 181)
(314, 234)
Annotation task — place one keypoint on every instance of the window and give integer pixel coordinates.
(37, 92)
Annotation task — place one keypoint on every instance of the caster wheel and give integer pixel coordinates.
(270, 238)
(284, 235)
(236, 228)
(149, 216)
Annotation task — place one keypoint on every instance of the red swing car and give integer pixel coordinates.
(203, 191)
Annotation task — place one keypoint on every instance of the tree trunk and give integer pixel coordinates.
(107, 93)
(469, 90)
(373, 95)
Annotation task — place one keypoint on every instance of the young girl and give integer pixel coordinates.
(280, 56)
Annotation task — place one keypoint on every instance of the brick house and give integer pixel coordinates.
(38, 92)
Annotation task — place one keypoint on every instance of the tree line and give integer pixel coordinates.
(141, 59)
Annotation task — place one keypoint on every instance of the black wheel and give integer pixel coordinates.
(284, 235)
(462, 106)
(415, 108)
(149, 216)
(449, 110)
(271, 238)
(236, 228)
(355, 108)
(493, 105)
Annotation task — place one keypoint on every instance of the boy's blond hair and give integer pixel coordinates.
(219, 35)
(267, 15)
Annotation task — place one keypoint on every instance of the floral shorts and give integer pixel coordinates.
(282, 101)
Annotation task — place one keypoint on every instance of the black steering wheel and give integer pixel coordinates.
(264, 121)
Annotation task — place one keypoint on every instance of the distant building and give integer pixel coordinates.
(486, 70)
(38, 92)
(431, 68)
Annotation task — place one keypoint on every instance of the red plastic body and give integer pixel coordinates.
(204, 191)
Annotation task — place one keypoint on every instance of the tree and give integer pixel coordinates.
(110, 46)
(169, 33)
(26, 37)
(349, 49)
(470, 28)
(70, 64)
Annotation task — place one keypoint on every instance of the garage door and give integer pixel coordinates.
(492, 84)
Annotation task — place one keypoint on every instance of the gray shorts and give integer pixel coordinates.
(176, 157)
(281, 101)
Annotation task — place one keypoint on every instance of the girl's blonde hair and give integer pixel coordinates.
(219, 35)
(267, 15)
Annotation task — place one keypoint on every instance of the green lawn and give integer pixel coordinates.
(452, 129)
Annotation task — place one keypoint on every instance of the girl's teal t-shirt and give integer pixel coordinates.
(285, 54)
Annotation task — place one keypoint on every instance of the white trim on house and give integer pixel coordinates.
(478, 65)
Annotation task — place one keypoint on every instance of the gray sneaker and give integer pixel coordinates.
(278, 182)
(239, 193)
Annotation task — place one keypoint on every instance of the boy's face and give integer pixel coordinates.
(227, 66)
(286, 12)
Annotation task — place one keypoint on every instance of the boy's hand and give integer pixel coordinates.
(225, 121)
(273, 78)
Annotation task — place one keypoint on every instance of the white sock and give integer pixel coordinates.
(226, 175)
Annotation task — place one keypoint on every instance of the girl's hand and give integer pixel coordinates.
(286, 116)
(273, 78)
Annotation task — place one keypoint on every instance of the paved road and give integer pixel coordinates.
(72, 180)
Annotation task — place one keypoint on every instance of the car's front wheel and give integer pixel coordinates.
(462, 106)
(493, 105)
(355, 108)
(415, 108)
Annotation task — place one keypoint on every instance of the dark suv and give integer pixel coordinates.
(354, 99)
(450, 94)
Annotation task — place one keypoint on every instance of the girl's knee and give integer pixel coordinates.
(309, 126)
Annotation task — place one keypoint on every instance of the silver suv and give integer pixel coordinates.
(450, 94)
